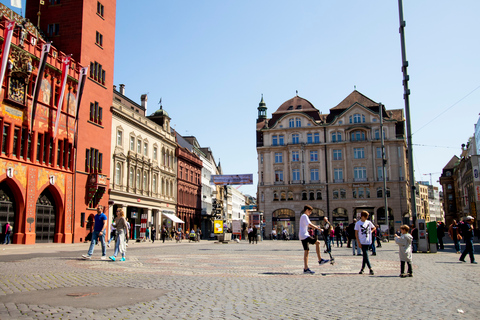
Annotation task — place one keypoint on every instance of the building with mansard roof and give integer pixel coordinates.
(331, 161)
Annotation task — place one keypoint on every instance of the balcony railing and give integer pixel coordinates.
(360, 179)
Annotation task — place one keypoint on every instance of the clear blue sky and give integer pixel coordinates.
(210, 61)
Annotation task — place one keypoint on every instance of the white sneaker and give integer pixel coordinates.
(86, 256)
(104, 258)
(126, 244)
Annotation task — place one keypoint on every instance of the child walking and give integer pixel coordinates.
(405, 251)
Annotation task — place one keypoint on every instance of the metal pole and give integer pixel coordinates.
(384, 162)
(407, 114)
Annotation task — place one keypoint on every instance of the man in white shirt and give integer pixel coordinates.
(307, 239)
(363, 234)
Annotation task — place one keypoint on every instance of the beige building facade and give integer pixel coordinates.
(332, 162)
(143, 166)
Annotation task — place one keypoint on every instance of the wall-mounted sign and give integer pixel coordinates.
(222, 180)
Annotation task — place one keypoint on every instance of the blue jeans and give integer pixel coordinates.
(354, 245)
(365, 261)
(328, 243)
(374, 249)
(415, 246)
(95, 238)
(7, 238)
(456, 242)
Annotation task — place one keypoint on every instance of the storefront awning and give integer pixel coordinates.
(172, 217)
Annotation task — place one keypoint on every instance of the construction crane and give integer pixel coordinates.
(430, 174)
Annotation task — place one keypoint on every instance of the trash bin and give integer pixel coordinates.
(432, 236)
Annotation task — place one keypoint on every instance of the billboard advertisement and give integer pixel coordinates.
(218, 226)
(222, 180)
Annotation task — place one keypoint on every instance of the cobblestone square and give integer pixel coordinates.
(209, 280)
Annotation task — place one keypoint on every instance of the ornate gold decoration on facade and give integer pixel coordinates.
(20, 67)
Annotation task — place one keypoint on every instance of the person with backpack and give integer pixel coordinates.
(8, 231)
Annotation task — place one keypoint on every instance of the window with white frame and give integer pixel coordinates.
(314, 175)
(295, 138)
(155, 153)
(138, 179)
(280, 140)
(357, 135)
(296, 174)
(145, 148)
(359, 153)
(132, 143)
(291, 123)
(336, 136)
(278, 175)
(295, 156)
(337, 154)
(309, 137)
(154, 184)
(130, 177)
(360, 173)
(145, 181)
(139, 146)
(379, 152)
(313, 155)
(274, 140)
(298, 122)
(357, 118)
(338, 174)
(118, 173)
(119, 138)
(278, 157)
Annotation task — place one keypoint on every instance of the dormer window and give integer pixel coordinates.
(299, 107)
(357, 118)
(290, 108)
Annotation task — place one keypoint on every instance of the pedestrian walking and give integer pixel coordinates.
(372, 246)
(440, 235)
(454, 233)
(8, 232)
(327, 230)
(363, 234)
(113, 231)
(306, 239)
(99, 227)
(338, 235)
(467, 233)
(154, 234)
(379, 236)
(254, 234)
(351, 230)
(164, 234)
(414, 232)
(122, 231)
(274, 233)
(147, 234)
(250, 232)
(405, 251)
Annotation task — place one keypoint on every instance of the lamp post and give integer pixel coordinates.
(407, 113)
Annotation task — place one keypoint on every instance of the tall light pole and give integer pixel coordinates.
(384, 171)
(406, 94)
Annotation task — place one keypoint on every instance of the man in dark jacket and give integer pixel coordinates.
(351, 232)
(467, 233)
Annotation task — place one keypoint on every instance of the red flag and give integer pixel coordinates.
(7, 36)
(65, 68)
(38, 82)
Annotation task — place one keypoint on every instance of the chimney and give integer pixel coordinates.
(115, 87)
(144, 99)
(122, 89)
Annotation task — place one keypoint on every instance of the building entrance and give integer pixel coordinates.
(45, 218)
(7, 208)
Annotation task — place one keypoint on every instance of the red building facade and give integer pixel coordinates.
(86, 29)
(36, 168)
(189, 188)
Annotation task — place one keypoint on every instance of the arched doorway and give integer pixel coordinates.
(7, 208)
(340, 216)
(284, 219)
(382, 221)
(45, 217)
(316, 217)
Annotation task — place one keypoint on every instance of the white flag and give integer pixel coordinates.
(16, 3)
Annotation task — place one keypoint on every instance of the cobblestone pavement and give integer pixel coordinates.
(208, 280)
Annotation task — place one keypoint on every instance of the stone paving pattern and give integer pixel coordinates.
(208, 280)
